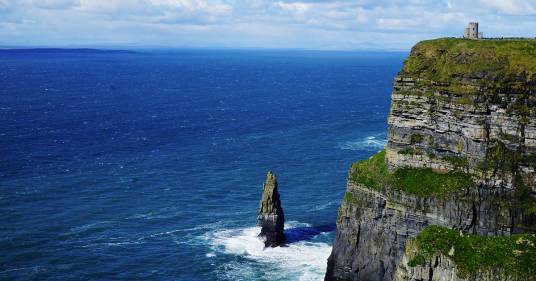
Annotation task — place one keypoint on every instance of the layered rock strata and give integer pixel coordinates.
(271, 217)
(458, 108)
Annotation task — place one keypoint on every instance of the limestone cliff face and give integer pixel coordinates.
(459, 108)
(271, 217)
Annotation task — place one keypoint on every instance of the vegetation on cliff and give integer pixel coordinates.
(374, 174)
(426, 182)
(371, 172)
(515, 254)
(449, 60)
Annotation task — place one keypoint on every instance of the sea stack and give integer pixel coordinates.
(271, 218)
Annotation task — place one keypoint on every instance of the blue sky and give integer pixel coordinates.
(308, 24)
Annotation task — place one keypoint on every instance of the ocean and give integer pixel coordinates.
(149, 165)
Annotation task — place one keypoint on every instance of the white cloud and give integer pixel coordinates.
(55, 4)
(346, 24)
(398, 23)
(158, 11)
(511, 7)
(296, 7)
(4, 4)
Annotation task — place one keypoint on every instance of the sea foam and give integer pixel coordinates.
(368, 143)
(302, 260)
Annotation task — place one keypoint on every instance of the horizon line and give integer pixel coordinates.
(131, 47)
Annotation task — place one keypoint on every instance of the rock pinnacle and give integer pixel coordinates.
(271, 217)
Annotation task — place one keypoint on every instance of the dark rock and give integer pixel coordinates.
(271, 217)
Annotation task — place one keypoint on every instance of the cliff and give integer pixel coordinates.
(460, 160)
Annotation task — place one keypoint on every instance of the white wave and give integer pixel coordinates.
(368, 143)
(324, 206)
(87, 227)
(125, 243)
(303, 260)
(293, 224)
(141, 216)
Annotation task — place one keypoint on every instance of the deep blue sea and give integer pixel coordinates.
(149, 165)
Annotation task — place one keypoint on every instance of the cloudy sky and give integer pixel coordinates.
(310, 24)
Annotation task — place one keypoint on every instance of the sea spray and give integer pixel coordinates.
(369, 143)
(300, 260)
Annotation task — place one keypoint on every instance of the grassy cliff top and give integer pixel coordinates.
(449, 59)
(515, 255)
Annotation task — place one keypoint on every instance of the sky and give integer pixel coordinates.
(294, 24)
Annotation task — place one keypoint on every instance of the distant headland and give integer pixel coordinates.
(62, 51)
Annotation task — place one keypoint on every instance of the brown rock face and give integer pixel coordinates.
(271, 217)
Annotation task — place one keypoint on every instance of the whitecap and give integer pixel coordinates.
(367, 143)
(141, 216)
(125, 243)
(320, 207)
(87, 227)
(302, 260)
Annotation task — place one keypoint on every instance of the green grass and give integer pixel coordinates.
(457, 161)
(530, 160)
(425, 182)
(373, 173)
(500, 158)
(418, 260)
(529, 206)
(349, 197)
(464, 101)
(523, 196)
(515, 254)
(411, 151)
(442, 60)
(416, 138)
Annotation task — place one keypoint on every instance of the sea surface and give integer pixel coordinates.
(149, 165)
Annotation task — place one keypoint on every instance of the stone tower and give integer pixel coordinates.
(471, 31)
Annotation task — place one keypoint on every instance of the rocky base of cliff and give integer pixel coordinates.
(374, 226)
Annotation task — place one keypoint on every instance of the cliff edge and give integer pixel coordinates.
(453, 195)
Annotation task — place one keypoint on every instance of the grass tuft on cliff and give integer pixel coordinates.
(373, 173)
(426, 182)
(456, 61)
(515, 254)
